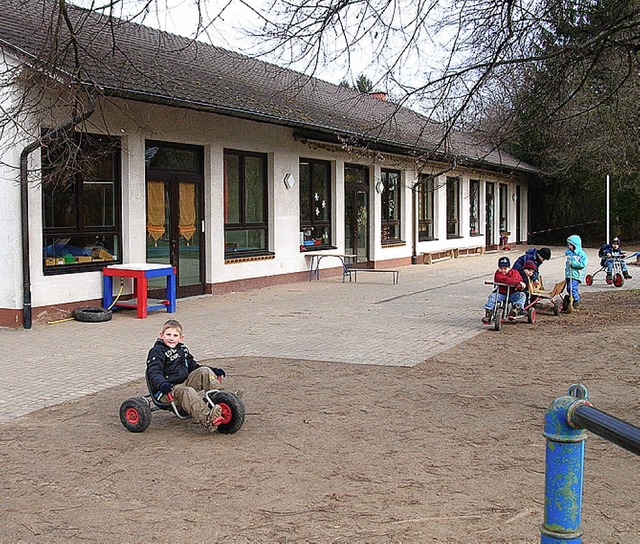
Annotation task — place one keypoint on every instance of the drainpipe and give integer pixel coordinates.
(24, 200)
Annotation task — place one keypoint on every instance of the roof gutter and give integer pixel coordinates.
(24, 199)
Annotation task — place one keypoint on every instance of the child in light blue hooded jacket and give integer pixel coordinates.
(575, 267)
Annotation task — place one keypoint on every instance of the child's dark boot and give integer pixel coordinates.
(626, 275)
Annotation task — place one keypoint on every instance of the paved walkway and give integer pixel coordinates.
(433, 308)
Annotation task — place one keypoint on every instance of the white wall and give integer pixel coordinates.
(135, 123)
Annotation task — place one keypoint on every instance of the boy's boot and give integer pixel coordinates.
(212, 416)
(487, 316)
(609, 278)
(626, 275)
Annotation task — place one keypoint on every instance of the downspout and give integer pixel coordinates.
(24, 200)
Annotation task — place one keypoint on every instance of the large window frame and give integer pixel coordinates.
(426, 208)
(81, 204)
(315, 204)
(474, 208)
(453, 207)
(246, 204)
(391, 212)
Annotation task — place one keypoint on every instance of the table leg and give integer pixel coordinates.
(142, 287)
(107, 291)
(171, 293)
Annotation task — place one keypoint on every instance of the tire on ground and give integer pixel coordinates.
(135, 415)
(232, 411)
(92, 315)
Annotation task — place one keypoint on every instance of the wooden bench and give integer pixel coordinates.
(434, 256)
(395, 274)
(454, 253)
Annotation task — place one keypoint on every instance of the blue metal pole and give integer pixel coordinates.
(564, 473)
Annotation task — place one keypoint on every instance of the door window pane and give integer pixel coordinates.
(425, 208)
(453, 207)
(474, 207)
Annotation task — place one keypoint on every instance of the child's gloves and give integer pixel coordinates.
(166, 387)
(218, 372)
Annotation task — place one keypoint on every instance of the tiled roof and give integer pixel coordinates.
(140, 63)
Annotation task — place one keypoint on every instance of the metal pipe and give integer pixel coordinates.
(610, 428)
(24, 200)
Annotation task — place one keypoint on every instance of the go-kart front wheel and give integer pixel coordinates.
(232, 411)
(618, 280)
(531, 315)
(589, 279)
(135, 415)
(557, 307)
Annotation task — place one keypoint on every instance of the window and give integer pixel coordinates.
(504, 208)
(474, 207)
(390, 206)
(245, 203)
(425, 208)
(315, 204)
(453, 207)
(81, 204)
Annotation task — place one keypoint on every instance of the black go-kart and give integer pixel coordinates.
(135, 413)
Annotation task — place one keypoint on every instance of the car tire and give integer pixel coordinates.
(92, 315)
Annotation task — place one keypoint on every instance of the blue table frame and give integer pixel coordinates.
(140, 273)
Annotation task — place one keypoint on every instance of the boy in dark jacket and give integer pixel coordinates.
(607, 252)
(537, 257)
(507, 275)
(171, 369)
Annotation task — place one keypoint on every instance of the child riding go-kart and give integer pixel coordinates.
(612, 263)
(135, 413)
(503, 310)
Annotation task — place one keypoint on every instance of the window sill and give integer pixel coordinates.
(319, 247)
(454, 237)
(249, 257)
(394, 243)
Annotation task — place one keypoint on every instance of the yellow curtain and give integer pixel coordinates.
(155, 210)
(187, 222)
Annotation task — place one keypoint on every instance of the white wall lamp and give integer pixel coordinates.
(289, 180)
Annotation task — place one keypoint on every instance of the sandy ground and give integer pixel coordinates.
(448, 451)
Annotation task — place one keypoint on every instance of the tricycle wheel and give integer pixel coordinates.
(589, 279)
(557, 307)
(135, 415)
(531, 315)
(498, 321)
(232, 411)
(618, 280)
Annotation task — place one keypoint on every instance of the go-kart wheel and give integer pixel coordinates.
(589, 279)
(618, 280)
(498, 321)
(557, 307)
(135, 415)
(232, 411)
(531, 315)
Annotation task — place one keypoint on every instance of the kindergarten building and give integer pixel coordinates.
(230, 169)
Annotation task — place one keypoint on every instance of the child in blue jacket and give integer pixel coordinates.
(574, 269)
